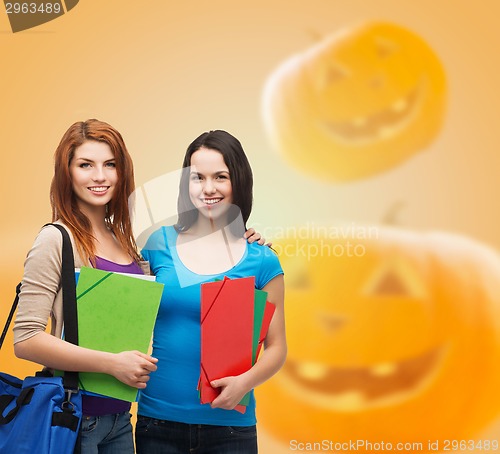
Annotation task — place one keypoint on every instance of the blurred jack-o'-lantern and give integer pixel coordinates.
(357, 103)
(393, 336)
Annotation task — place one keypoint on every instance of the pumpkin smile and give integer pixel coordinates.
(381, 125)
(354, 389)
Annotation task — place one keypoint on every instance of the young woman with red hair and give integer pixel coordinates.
(93, 178)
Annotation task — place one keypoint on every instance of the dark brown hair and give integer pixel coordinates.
(240, 174)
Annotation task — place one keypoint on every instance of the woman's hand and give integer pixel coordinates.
(130, 367)
(133, 368)
(232, 391)
(251, 236)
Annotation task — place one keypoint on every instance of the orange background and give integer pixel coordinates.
(163, 72)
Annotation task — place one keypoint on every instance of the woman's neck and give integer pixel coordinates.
(210, 248)
(206, 226)
(97, 218)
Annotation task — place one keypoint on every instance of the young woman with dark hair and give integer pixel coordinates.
(215, 201)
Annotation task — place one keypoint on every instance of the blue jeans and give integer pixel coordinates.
(153, 436)
(109, 434)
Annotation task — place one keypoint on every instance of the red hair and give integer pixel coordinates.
(63, 200)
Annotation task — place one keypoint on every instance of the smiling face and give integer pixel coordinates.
(386, 337)
(210, 188)
(358, 103)
(93, 175)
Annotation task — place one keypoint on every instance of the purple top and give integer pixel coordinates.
(99, 406)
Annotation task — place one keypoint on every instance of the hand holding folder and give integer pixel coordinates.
(116, 313)
(235, 318)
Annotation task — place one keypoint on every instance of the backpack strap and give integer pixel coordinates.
(11, 315)
(68, 284)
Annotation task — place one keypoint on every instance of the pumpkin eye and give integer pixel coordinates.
(297, 276)
(395, 279)
(390, 284)
(299, 281)
(332, 74)
(336, 73)
(385, 47)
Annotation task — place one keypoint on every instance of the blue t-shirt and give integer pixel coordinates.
(171, 393)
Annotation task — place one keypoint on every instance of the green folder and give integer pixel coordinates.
(116, 313)
(260, 299)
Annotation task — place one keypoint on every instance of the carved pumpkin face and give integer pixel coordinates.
(356, 104)
(389, 338)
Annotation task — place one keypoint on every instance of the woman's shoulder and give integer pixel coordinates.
(263, 256)
(49, 241)
(49, 237)
(159, 239)
(50, 232)
(45, 253)
(262, 262)
(262, 251)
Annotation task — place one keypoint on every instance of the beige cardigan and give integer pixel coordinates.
(41, 293)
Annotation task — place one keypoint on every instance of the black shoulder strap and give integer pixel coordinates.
(68, 283)
(11, 315)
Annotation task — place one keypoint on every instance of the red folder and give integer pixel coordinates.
(227, 309)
